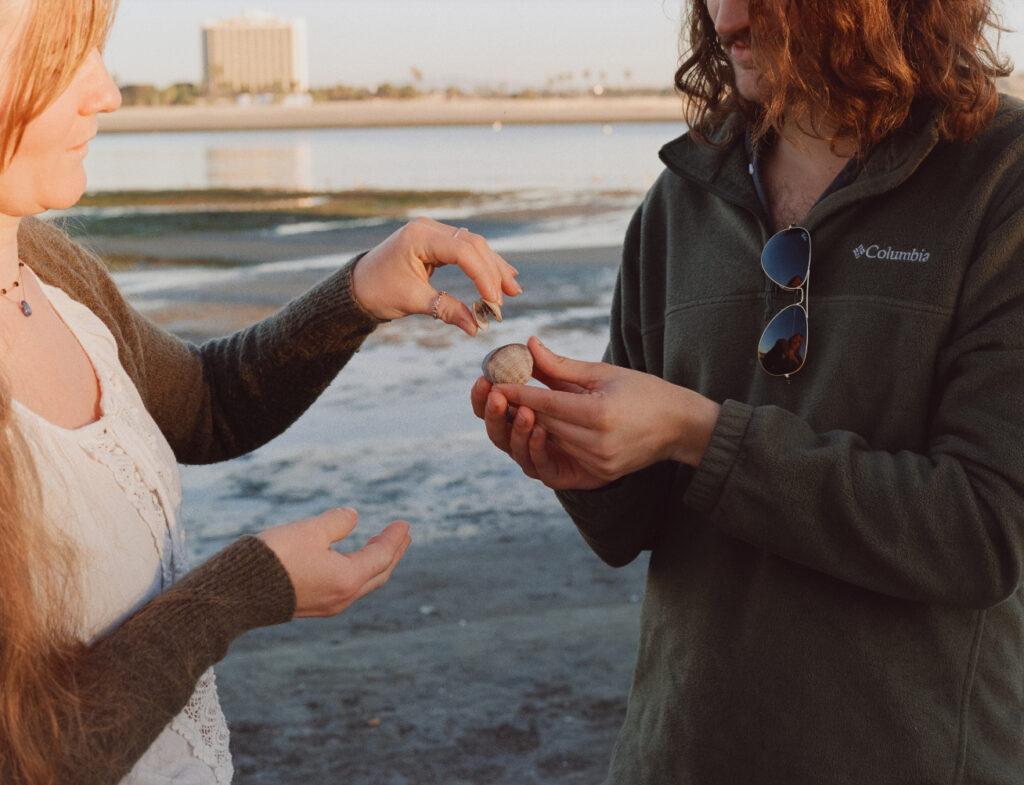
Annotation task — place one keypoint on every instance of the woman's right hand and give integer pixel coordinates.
(326, 582)
(393, 279)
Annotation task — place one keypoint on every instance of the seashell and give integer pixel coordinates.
(508, 364)
(482, 310)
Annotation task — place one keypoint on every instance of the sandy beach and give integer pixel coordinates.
(499, 664)
(500, 657)
(429, 110)
(501, 651)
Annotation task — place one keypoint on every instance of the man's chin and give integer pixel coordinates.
(750, 85)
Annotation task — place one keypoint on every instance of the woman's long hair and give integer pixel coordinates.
(39, 702)
(855, 67)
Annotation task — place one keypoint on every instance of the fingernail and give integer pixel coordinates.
(519, 289)
(521, 419)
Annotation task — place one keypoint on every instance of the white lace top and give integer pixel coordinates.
(113, 487)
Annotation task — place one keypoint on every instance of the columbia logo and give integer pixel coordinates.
(875, 251)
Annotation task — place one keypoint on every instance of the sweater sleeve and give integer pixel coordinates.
(249, 387)
(139, 676)
(941, 524)
(939, 520)
(622, 519)
(227, 396)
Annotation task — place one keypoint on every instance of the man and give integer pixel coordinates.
(836, 548)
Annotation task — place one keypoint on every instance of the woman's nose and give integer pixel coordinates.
(102, 94)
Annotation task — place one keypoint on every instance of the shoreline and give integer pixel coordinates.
(220, 307)
(186, 230)
(386, 112)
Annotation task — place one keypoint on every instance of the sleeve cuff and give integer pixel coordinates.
(709, 479)
(247, 578)
(347, 295)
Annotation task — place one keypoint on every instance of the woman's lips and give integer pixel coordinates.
(81, 148)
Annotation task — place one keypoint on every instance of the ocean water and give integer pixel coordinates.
(571, 158)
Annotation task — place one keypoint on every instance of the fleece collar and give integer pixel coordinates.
(725, 172)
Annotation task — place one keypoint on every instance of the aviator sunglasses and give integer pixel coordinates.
(786, 260)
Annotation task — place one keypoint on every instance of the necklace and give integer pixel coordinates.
(19, 284)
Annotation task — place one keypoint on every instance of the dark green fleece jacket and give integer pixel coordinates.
(834, 594)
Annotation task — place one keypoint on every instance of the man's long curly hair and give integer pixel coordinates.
(855, 67)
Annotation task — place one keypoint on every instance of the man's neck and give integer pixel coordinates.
(796, 171)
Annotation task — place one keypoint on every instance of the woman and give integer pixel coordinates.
(106, 639)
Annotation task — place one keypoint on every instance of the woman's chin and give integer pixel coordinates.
(63, 201)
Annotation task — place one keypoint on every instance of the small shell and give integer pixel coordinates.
(509, 364)
(482, 309)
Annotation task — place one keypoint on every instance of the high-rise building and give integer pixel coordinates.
(255, 53)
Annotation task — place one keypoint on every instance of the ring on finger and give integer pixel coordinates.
(437, 302)
(458, 231)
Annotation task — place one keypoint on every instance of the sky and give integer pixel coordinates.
(467, 43)
(463, 42)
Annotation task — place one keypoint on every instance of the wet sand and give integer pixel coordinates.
(490, 660)
(507, 664)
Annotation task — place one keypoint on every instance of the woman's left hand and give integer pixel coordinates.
(393, 279)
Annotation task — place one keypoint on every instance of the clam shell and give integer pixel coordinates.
(482, 310)
(508, 364)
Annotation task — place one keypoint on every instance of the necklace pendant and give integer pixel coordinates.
(26, 308)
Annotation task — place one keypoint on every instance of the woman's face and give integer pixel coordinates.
(47, 172)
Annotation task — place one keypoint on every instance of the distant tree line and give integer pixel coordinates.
(566, 84)
(186, 93)
(182, 93)
(388, 90)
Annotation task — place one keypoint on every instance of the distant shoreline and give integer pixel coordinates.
(385, 112)
(431, 110)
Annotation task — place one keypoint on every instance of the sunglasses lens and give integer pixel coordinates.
(786, 257)
(783, 344)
